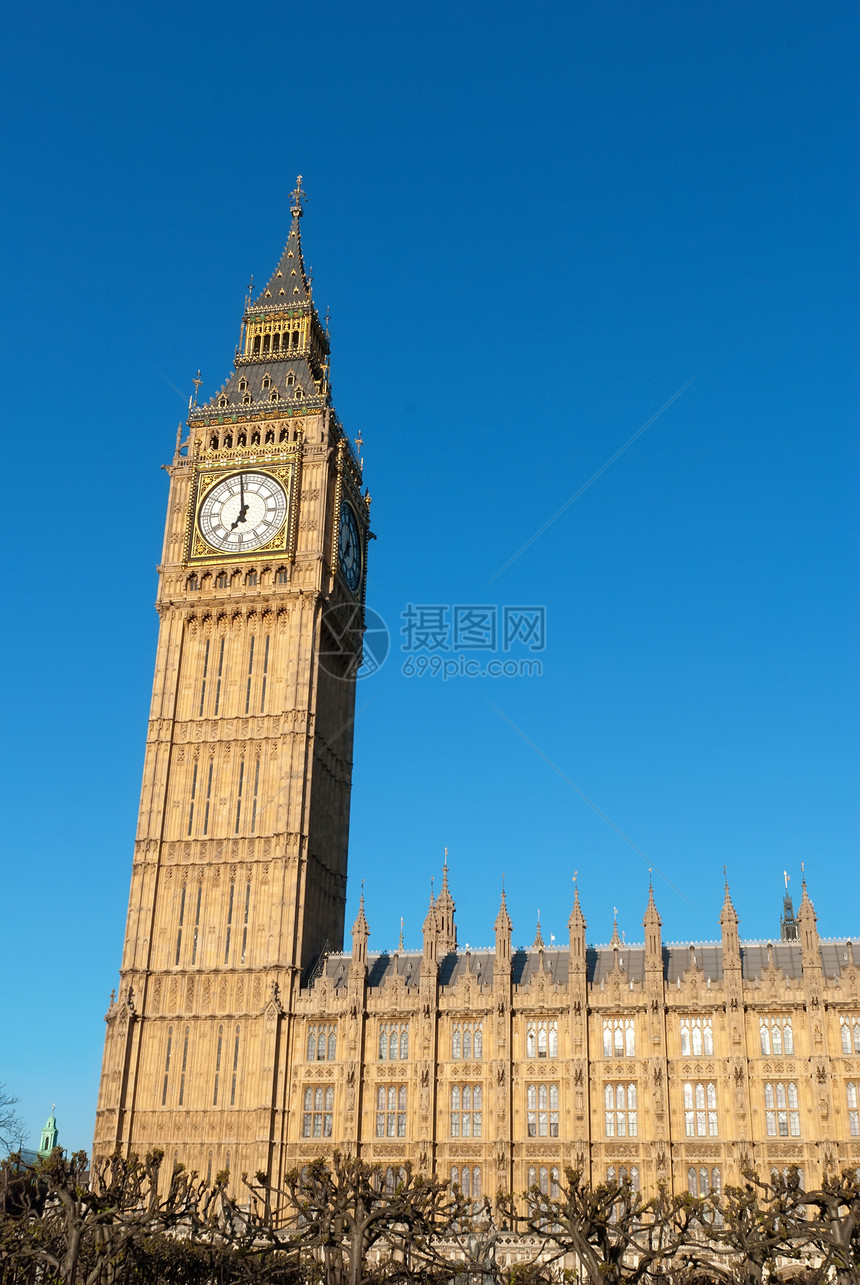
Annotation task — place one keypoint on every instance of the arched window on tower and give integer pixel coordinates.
(266, 343)
(256, 345)
(295, 339)
(276, 342)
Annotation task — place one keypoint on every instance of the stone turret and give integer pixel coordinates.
(653, 942)
(360, 934)
(808, 932)
(446, 928)
(430, 932)
(576, 930)
(504, 930)
(729, 928)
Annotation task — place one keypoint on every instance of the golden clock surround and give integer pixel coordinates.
(283, 467)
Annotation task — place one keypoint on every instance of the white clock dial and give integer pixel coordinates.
(242, 512)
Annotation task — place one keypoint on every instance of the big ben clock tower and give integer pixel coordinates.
(239, 873)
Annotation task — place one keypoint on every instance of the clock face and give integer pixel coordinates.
(349, 547)
(242, 512)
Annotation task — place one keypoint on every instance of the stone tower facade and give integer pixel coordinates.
(239, 873)
(243, 1038)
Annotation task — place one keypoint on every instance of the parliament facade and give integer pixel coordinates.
(241, 1037)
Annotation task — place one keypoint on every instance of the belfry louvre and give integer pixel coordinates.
(240, 1039)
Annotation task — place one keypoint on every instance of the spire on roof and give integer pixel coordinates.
(806, 910)
(652, 915)
(577, 918)
(728, 914)
(290, 283)
(615, 940)
(360, 927)
(445, 914)
(538, 943)
(503, 919)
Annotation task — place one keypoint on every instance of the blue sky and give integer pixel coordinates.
(533, 226)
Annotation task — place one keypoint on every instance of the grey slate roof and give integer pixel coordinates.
(600, 963)
(278, 370)
(288, 283)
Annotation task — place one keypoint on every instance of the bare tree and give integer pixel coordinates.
(826, 1222)
(361, 1223)
(617, 1238)
(11, 1125)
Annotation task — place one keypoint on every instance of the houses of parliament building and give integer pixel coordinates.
(241, 1037)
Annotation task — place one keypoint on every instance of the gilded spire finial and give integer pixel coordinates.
(296, 197)
(197, 381)
(400, 942)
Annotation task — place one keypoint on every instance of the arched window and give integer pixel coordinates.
(270, 436)
(312, 1045)
(192, 582)
(455, 1177)
(256, 345)
(282, 576)
(228, 440)
(243, 385)
(467, 1042)
(697, 1036)
(853, 1111)
(282, 436)
(291, 379)
(222, 401)
(321, 1046)
(404, 1043)
(298, 394)
(619, 1037)
(213, 442)
(251, 579)
(255, 437)
(246, 400)
(221, 580)
(295, 339)
(456, 1040)
(266, 381)
(700, 1110)
(542, 1110)
(332, 1045)
(782, 1113)
(273, 397)
(241, 439)
(476, 1183)
(692, 1181)
(266, 343)
(276, 342)
(218, 1064)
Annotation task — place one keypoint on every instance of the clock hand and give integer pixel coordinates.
(243, 510)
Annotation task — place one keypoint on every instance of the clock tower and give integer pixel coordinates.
(239, 872)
